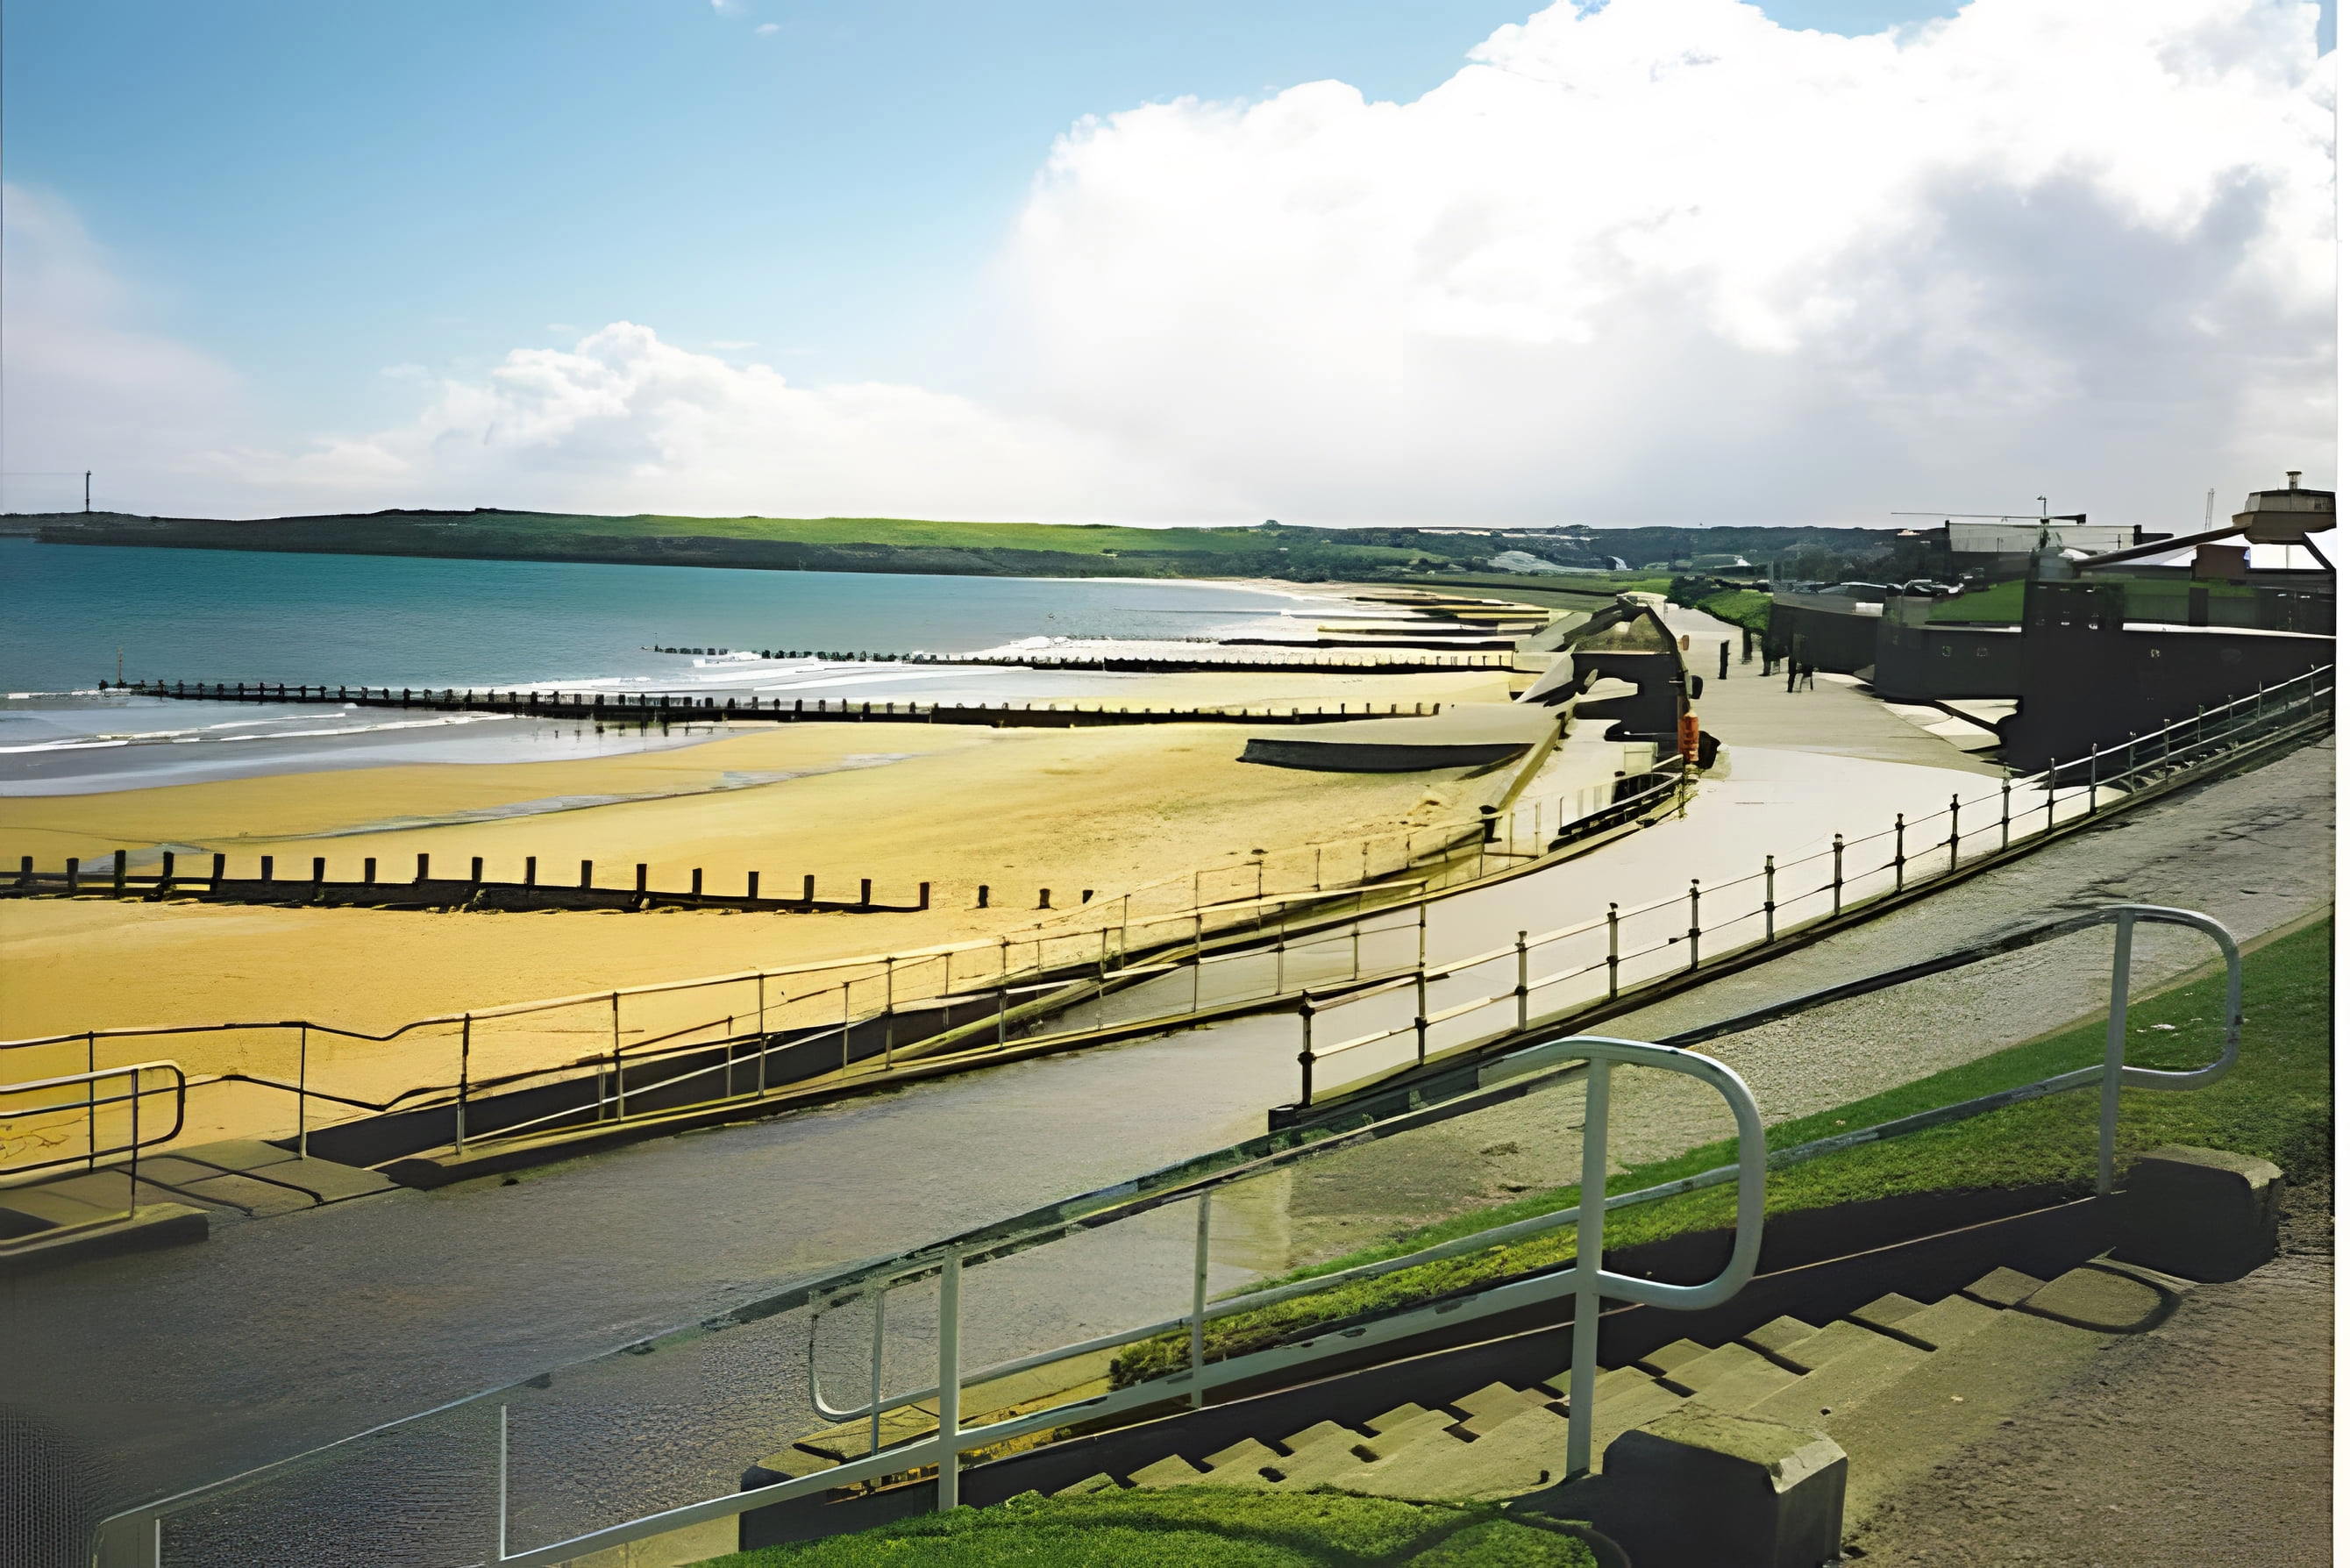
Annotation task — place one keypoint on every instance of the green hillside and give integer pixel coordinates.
(796, 544)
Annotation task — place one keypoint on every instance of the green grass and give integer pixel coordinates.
(2143, 598)
(2277, 1103)
(1191, 1527)
(1084, 539)
(1748, 608)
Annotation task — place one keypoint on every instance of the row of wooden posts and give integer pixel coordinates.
(646, 705)
(117, 879)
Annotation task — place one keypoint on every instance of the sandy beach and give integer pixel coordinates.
(1021, 810)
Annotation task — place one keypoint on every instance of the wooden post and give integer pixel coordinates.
(425, 867)
(269, 869)
(477, 870)
(864, 892)
(587, 873)
(530, 870)
(368, 875)
(121, 879)
(697, 881)
(807, 890)
(751, 886)
(220, 871)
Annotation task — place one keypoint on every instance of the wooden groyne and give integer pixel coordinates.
(262, 885)
(661, 708)
(1376, 657)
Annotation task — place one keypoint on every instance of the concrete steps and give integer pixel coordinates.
(1899, 1382)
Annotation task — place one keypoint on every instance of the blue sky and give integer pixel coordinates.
(313, 192)
(299, 220)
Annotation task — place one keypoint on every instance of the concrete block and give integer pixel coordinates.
(2200, 1213)
(1705, 1488)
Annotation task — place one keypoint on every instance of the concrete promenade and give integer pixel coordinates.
(284, 1334)
(1747, 708)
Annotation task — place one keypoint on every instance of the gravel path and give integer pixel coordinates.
(2205, 1441)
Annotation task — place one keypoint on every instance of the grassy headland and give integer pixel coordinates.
(1274, 550)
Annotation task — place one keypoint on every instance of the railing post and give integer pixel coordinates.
(2003, 811)
(1419, 992)
(1769, 892)
(1614, 949)
(950, 1381)
(2092, 810)
(1954, 832)
(1836, 882)
(1305, 1051)
(502, 1487)
(2110, 1096)
(873, 1400)
(888, 1014)
(1521, 982)
(1900, 849)
(302, 1095)
(465, 1075)
(90, 1092)
(1199, 1302)
(1590, 1240)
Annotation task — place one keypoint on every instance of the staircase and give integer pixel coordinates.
(1899, 1384)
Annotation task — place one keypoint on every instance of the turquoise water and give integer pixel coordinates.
(228, 615)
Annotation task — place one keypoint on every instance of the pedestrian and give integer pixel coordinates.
(1794, 664)
(1808, 685)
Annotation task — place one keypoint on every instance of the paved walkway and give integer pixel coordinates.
(1747, 708)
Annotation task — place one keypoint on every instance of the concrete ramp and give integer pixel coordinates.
(1470, 735)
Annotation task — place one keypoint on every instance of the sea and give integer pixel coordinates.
(74, 614)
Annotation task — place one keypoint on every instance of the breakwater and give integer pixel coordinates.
(115, 878)
(1374, 656)
(655, 706)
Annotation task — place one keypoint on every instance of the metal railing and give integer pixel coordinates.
(870, 1008)
(1574, 966)
(136, 1538)
(81, 1100)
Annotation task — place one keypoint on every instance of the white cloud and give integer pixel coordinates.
(732, 343)
(764, 28)
(1665, 260)
(1662, 260)
(625, 422)
(729, 7)
(563, 329)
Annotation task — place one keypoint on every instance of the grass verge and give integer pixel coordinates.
(2277, 1104)
(1748, 608)
(1192, 1527)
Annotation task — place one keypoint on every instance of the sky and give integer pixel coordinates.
(1338, 262)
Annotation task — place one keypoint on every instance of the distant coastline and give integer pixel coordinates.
(1266, 552)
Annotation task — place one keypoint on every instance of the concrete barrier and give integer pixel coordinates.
(2200, 1213)
(1711, 1490)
